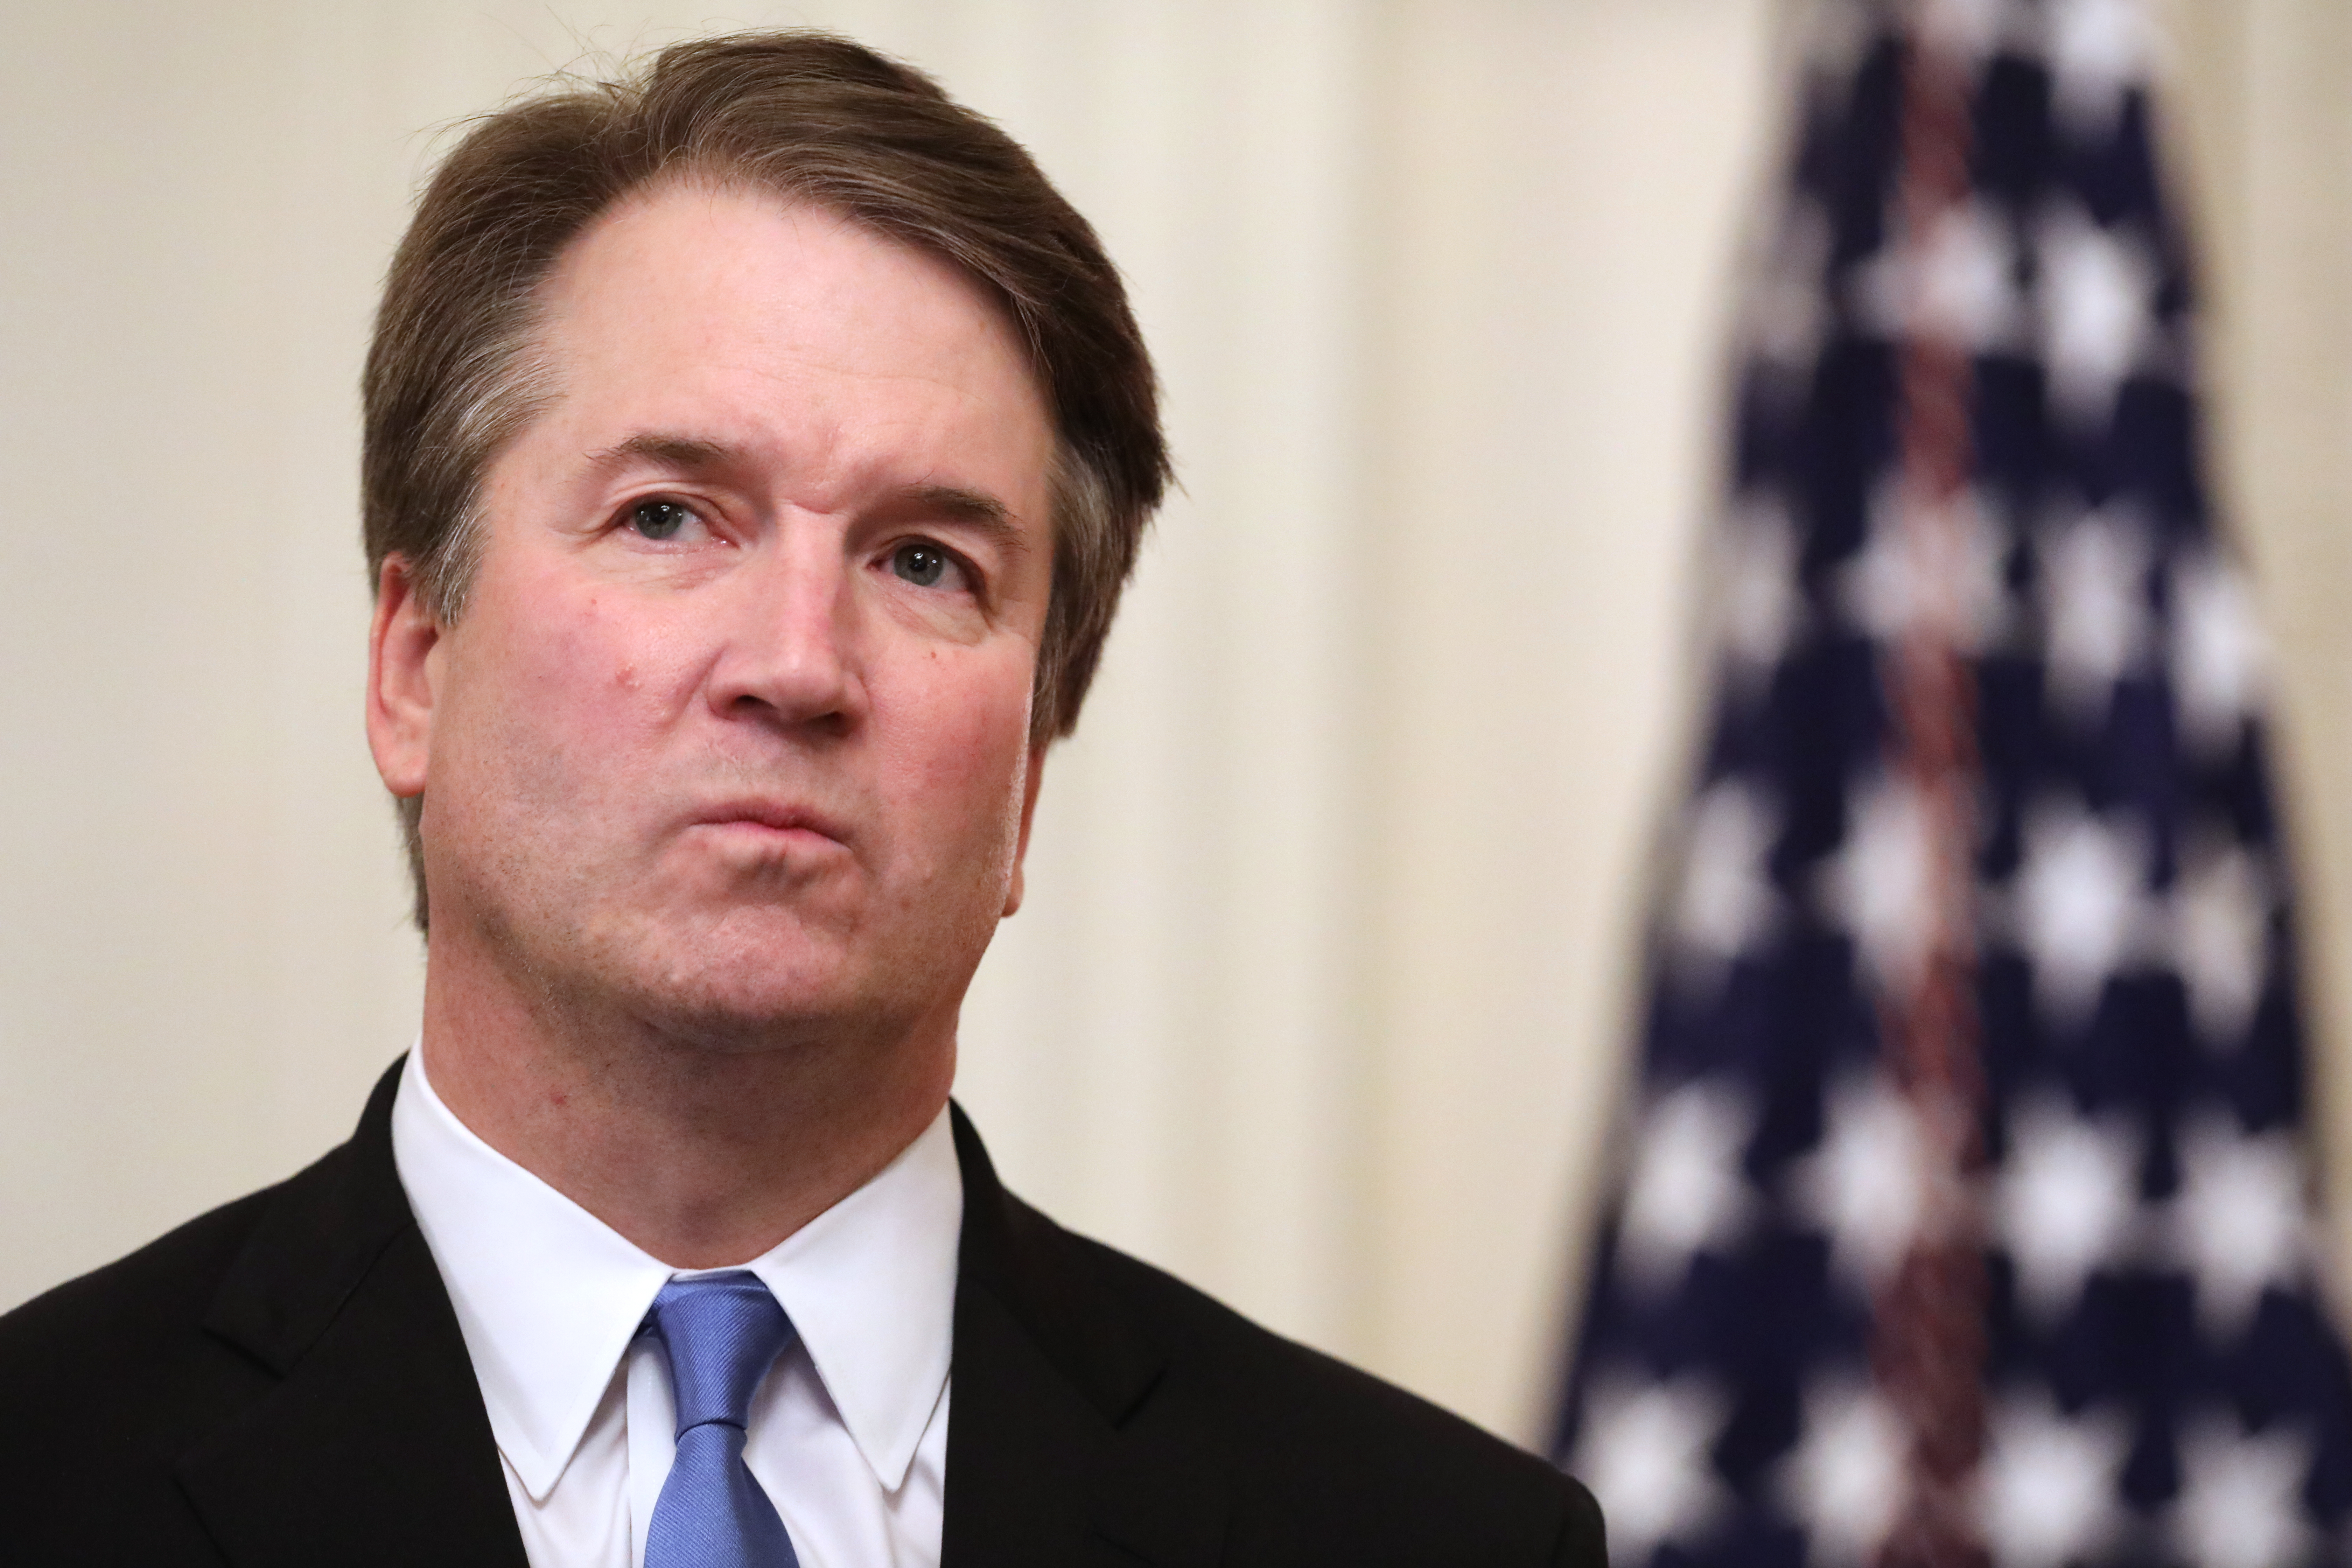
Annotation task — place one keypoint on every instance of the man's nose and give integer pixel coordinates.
(788, 650)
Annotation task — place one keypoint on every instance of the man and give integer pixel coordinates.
(755, 451)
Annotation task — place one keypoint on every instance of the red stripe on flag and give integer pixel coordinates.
(1927, 1334)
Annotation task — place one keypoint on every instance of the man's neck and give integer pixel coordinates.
(704, 1157)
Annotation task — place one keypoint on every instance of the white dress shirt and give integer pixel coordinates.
(847, 1435)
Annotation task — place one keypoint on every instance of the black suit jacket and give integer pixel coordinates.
(283, 1382)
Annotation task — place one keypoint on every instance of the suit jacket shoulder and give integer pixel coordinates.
(279, 1382)
(1155, 1425)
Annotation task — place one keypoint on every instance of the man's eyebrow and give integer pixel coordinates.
(694, 453)
(976, 509)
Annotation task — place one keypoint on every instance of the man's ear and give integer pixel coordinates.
(1028, 813)
(401, 671)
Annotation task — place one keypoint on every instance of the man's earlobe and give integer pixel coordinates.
(401, 670)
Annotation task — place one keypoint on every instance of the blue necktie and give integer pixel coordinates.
(722, 1332)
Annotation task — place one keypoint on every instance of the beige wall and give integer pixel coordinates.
(1319, 994)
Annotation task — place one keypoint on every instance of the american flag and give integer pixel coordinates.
(1965, 1215)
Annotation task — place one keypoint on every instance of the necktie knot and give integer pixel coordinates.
(721, 1332)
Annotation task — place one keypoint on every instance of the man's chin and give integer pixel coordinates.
(742, 988)
(726, 1014)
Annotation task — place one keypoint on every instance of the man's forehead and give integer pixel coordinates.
(728, 271)
(677, 226)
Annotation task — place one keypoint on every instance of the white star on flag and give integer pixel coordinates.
(1866, 1185)
(1953, 586)
(1688, 1191)
(1756, 607)
(2078, 906)
(1644, 1455)
(1847, 1476)
(2218, 653)
(2237, 1222)
(2095, 294)
(2067, 1196)
(2094, 610)
(1725, 900)
(2097, 49)
(2240, 1504)
(1961, 286)
(1877, 883)
(2220, 939)
(2048, 1483)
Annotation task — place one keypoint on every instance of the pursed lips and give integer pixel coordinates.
(773, 820)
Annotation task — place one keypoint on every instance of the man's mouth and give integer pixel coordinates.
(763, 820)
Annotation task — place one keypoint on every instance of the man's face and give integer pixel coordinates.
(732, 729)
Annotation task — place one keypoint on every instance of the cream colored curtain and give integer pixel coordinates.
(1324, 981)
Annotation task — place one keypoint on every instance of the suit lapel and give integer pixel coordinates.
(1067, 1440)
(374, 1447)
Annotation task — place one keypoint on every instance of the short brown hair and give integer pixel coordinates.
(813, 117)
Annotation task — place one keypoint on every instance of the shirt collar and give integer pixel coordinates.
(549, 1297)
(870, 1284)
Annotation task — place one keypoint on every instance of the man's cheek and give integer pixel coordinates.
(588, 695)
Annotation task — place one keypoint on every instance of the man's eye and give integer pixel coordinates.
(922, 564)
(658, 519)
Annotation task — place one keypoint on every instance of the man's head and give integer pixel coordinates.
(458, 369)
